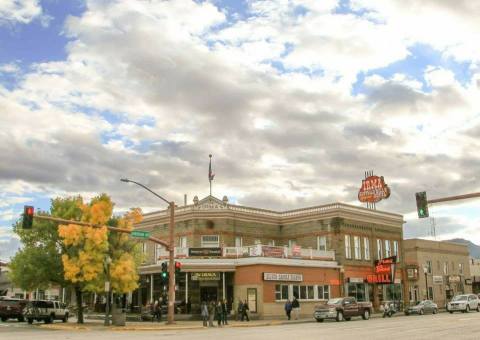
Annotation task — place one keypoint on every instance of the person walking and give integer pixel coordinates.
(204, 313)
(211, 313)
(288, 309)
(239, 310)
(224, 312)
(218, 313)
(158, 310)
(296, 307)
(245, 310)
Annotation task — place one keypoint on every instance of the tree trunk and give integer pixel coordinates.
(78, 294)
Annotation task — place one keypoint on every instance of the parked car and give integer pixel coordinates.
(464, 303)
(423, 307)
(12, 309)
(46, 311)
(342, 309)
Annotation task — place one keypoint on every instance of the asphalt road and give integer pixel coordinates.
(440, 326)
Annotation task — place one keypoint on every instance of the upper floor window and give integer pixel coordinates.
(388, 251)
(395, 250)
(460, 268)
(366, 248)
(157, 252)
(291, 243)
(257, 241)
(271, 243)
(429, 266)
(144, 248)
(238, 241)
(379, 249)
(445, 268)
(182, 242)
(210, 241)
(321, 243)
(348, 247)
(356, 247)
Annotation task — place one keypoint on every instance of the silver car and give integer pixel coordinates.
(423, 307)
(464, 303)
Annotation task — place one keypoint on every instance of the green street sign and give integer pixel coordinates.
(140, 234)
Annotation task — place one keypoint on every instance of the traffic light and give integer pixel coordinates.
(178, 267)
(27, 222)
(422, 204)
(164, 272)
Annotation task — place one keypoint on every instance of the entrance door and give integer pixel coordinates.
(208, 293)
(252, 299)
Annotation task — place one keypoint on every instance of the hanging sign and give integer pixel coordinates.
(373, 190)
(384, 271)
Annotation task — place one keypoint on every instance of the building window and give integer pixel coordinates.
(429, 266)
(281, 292)
(291, 243)
(271, 243)
(210, 241)
(395, 250)
(366, 248)
(157, 252)
(348, 248)
(323, 292)
(296, 292)
(258, 241)
(144, 248)
(183, 242)
(430, 293)
(379, 249)
(304, 292)
(356, 247)
(445, 268)
(238, 241)
(388, 252)
(460, 268)
(321, 243)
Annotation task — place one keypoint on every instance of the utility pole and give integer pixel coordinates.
(171, 268)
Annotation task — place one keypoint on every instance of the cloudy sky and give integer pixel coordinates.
(294, 98)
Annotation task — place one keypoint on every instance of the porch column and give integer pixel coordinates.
(186, 287)
(151, 287)
(223, 282)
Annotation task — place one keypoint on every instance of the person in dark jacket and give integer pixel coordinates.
(224, 312)
(204, 312)
(245, 310)
(288, 308)
(296, 307)
(239, 310)
(218, 313)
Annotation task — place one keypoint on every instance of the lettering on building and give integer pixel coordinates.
(282, 277)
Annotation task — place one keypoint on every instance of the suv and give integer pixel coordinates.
(342, 309)
(46, 311)
(12, 309)
(464, 303)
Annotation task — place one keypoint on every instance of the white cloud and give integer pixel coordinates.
(19, 11)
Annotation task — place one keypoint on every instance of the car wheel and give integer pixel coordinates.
(65, 318)
(348, 319)
(420, 312)
(366, 314)
(319, 320)
(4, 319)
(450, 312)
(21, 319)
(478, 307)
(435, 311)
(407, 313)
(339, 316)
(30, 321)
(48, 319)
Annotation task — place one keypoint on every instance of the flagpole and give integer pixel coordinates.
(210, 173)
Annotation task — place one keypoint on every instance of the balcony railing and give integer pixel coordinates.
(259, 250)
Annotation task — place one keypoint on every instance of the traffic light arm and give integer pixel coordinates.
(118, 230)
(454, 198)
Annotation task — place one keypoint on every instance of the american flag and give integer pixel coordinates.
(211, 175)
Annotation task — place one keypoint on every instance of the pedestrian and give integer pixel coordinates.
(218, 313)
(239, 310)
(204, 312)
(245, 310)
(211, 313)
(288, 308)
(224, 312)
(158, 310)
(296, 307)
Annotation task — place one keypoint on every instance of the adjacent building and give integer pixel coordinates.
(237, 253)
(436, 270)
(475, 272)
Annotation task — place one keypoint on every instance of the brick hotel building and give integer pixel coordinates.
(266, 257)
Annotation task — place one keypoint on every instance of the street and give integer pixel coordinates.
(440, 326)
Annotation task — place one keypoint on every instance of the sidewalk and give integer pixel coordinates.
(97, 325)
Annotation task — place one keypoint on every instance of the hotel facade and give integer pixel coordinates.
(237, 253)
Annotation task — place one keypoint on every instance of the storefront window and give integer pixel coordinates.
(296, 291)
(393, 292)
(281, 292)
(357, 290)
(323, 292)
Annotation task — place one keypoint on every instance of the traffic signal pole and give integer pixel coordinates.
(171, 267)
(454, 198)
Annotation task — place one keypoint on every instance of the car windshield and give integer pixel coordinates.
(460, 298)
(334, 301)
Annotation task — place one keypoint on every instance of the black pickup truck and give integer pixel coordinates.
(342, 309)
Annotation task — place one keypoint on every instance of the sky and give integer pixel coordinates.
(295, 99)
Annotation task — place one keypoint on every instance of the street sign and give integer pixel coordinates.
(140, 234)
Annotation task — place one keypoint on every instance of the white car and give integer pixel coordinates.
(464, 303)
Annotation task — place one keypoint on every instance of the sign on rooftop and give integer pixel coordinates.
(373, 190)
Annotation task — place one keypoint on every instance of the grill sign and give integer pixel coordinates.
(384, 271)
(373, 190)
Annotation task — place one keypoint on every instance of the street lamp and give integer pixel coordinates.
(107, 263)
(171, 251)
(425, 271)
